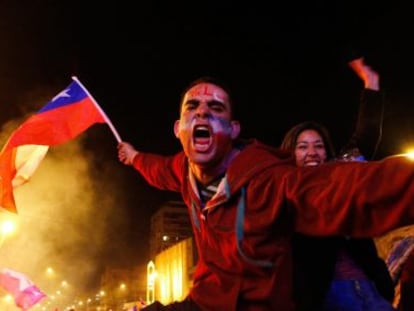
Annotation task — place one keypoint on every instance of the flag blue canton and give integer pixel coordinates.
(72, 94)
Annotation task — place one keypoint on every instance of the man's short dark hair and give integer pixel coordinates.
(211, 80)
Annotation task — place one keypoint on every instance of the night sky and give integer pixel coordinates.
(286, 63)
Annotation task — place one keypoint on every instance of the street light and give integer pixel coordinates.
(151, 275)
(122, 286)
(88, 301)
(7, 302)
(50, 271)
(7, 227)
(100, 300)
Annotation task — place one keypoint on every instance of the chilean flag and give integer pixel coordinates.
(24, 292)
(67, 115)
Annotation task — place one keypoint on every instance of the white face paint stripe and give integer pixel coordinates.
(203, 90)
(218, 125)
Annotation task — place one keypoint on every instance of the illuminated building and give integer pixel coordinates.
(173, 254)
(170, 275)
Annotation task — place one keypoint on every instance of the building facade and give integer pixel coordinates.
(169, 225)
(172, 274)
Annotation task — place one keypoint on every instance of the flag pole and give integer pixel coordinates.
(111, 126)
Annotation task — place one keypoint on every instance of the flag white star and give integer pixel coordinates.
(64, 93)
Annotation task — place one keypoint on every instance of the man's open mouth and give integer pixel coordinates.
(201, 137)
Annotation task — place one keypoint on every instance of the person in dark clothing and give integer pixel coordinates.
(343, 266)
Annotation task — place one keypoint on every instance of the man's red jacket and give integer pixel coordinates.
(243, 233)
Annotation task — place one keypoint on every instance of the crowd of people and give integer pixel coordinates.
(289, 228)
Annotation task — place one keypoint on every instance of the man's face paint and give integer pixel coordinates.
(206, 90)
(205, 128)
(217, 124)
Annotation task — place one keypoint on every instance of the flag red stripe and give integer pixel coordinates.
(57, 126)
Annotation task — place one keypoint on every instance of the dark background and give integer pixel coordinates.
(285, 61)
